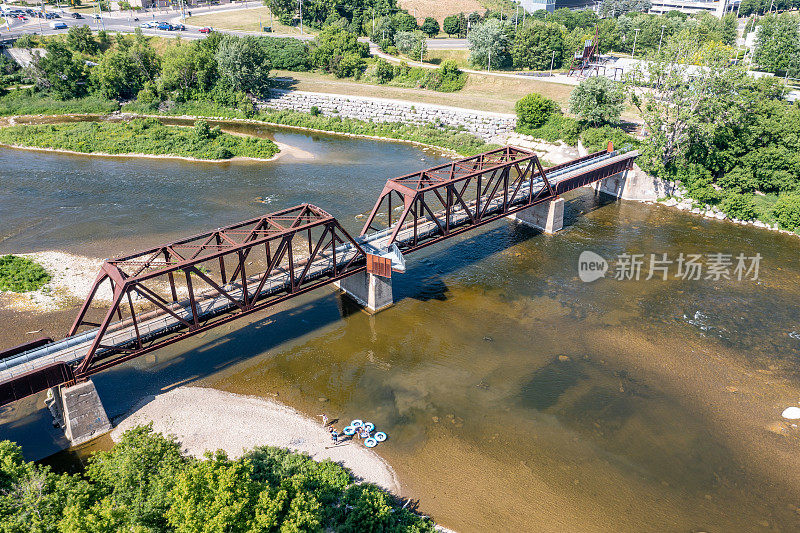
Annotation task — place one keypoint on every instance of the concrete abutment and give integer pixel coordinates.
(79, 411)
(546, 216)
(372, 292)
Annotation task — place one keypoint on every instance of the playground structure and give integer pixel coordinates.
(588, 61)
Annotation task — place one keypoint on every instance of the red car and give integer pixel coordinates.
(206, 30)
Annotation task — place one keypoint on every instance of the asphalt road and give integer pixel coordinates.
(126, 23)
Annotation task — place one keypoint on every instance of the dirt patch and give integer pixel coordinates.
(439, 9)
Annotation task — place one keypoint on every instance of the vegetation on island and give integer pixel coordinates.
(145, 484)
(19, 274)
(139, 136)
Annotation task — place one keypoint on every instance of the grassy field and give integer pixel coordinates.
(485, 93)
(139, 136)
(461, 57)
(244, 20)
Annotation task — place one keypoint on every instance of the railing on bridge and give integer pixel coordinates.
(165, 294)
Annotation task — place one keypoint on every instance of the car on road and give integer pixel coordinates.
(164, 26)
(206, 30)
(179, 27)
(76, 15)
(96, 16)
(58, 25)
(146, 25)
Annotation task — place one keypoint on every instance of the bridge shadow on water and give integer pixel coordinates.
(129, 385)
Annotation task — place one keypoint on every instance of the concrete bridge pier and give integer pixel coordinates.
(372, 292)
(546, 216)
(79, 411)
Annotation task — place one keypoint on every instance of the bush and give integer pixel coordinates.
(787, 211)
(287, 53)
(597, 100)
(18, 274)
(534, 110)
(738, 206)
(384, 72)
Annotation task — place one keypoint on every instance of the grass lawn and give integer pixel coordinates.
(139, 136)
(485, 93)
(244, 20)
(461, 57)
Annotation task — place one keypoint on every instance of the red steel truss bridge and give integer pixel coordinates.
(154, 298)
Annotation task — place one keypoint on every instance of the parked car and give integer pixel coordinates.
(206, 30)
(179, 27)
(146, 25)
(58, 25)
(164, 26)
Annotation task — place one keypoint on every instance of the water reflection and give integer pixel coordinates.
(516, 396)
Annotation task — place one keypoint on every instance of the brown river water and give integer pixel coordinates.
(516, 396)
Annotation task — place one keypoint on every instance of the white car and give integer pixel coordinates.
(146, 25)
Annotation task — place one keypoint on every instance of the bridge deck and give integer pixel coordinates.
(122, 334)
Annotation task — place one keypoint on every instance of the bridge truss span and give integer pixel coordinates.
(148, 300)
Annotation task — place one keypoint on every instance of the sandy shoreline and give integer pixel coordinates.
(206, 420)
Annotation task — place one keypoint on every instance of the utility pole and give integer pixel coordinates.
(552, 60)
(662, 39)
(301, 17)
(633, 54)
(489, 67)
(373, 21)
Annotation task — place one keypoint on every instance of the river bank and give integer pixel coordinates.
(206, 420)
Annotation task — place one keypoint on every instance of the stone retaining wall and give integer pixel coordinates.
(480, 123)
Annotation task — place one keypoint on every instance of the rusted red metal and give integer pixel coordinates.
(229, 268)
(35, 381)
(201, 282)
(380, 266)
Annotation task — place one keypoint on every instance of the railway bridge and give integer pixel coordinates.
(148, 300)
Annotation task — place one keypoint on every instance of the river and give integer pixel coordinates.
(516, 396)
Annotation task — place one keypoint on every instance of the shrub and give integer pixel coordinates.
(18, 274)
(534, 110)
(384, 72)
(787, 211)
(739, 206)
(315, 111)
(597, 100)
(287, 53)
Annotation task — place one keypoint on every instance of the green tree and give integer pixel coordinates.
(215, 494)
(80, 39)
(536, 45)
(189, 66)
(338, 51)
(787, 211)
(406, 22)
(597, 100)
(488, 43)
(383, 71)
(243, 64)
(534, 110)
(59, 72)
(430, 27)
(123, 71)
(615, 8)
(136, 476)
(778, 44)
(450, 25)
(412, 44)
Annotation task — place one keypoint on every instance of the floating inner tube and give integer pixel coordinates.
(370, 442)
(791, 413)
(349, 430)
(369, 425)
(356, 423)
(380, 436)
